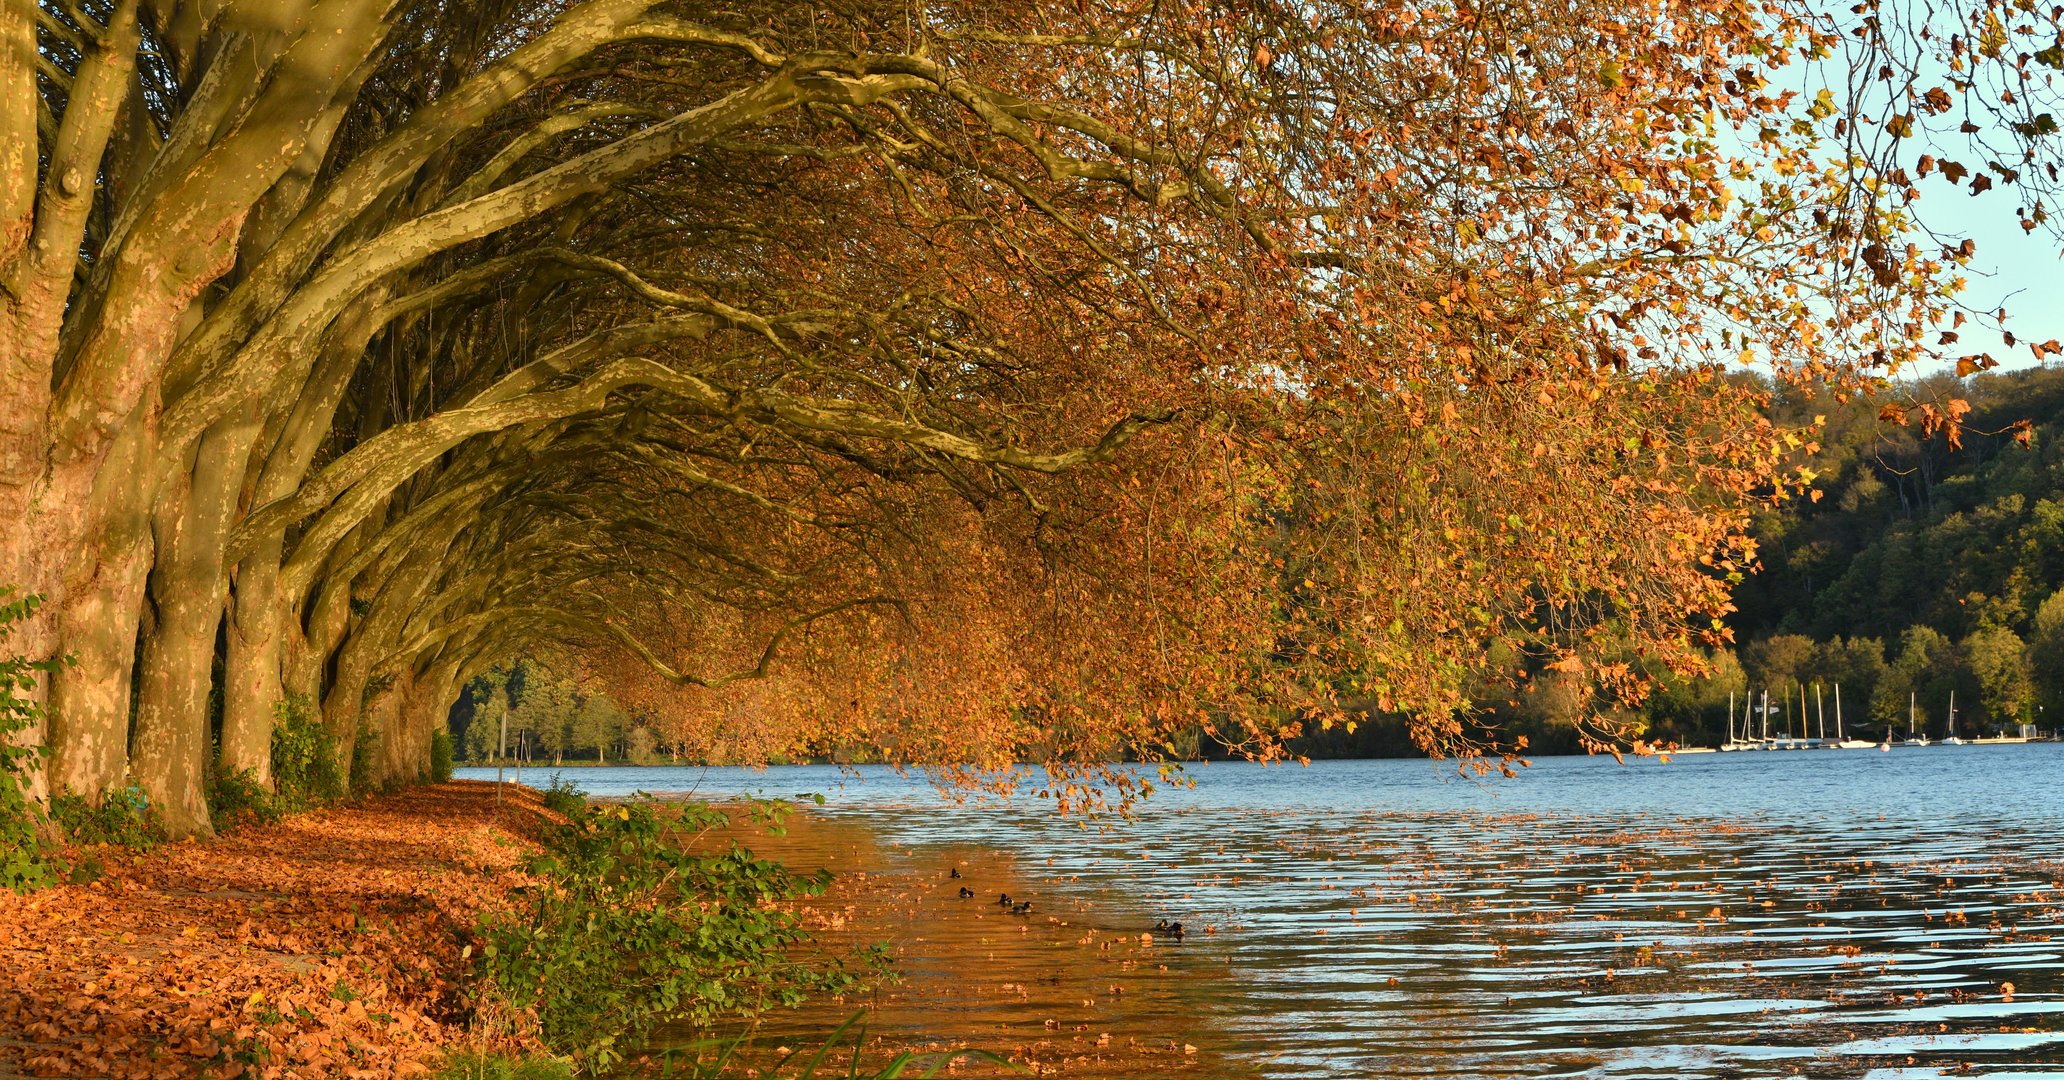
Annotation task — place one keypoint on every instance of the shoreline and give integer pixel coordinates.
(1655, 751)
(334, 942)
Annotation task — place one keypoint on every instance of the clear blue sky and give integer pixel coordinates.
(2021, 270)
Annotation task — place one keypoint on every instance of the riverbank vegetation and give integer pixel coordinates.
(632, 924)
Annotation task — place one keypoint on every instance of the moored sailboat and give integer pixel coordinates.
(1848, 743)
(1950, 722)
(1914, 736)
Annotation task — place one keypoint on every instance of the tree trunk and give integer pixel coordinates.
(383, 723)
(188, 588)
(253, 683)
(90, 697)
(168, 753)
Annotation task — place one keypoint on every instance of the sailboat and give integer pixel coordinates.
(1914, 737)
(1746, 739)
(1951, 738)
(1847, 743)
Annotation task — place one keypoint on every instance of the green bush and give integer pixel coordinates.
(236, 797)
(364, 759)
(564, 797)
(124, 819)
(440, 756)
(630, 930)
(304, 759)
(25, 858)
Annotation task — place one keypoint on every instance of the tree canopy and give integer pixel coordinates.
(965, 381)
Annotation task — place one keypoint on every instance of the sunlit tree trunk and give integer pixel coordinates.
(383, 723)
(91, 696)
(253, 672)
(188, 588)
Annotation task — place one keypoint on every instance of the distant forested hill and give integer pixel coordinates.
(1911, 532)
(1924, 568)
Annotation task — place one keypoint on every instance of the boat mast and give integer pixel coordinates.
(1838, 714)
(1820, 711)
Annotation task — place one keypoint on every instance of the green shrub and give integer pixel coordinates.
(304, 759)
(440, 756)
(25, 857)
(630, 930)
(564, 797)
(236, 798)
(124, 818)
(364, 759)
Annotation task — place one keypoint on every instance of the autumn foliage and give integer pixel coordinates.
(981, 382)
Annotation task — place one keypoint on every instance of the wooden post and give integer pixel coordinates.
(501, 758)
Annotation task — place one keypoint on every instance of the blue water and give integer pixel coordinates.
(2007, 782)
(1820, 913)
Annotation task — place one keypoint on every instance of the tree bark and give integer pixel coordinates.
(168, 751)
(253, 674)
(90, 697)
(188, 589)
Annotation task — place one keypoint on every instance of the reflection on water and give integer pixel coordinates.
(1826, 914)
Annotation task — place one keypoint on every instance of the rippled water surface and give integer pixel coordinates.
(1817, 913)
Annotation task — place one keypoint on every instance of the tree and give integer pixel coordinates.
(1856, 667)
(2046, 651)
(1695, 710)
(597, 724)
(479, 715)
(1780, 662)
(1999, 664)
(1040, 375)
(1924, 674)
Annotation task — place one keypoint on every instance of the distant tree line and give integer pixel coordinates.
(527, 712)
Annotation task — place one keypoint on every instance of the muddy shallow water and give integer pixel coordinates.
(1815, 913)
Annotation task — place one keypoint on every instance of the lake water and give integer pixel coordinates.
(1816, 913)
